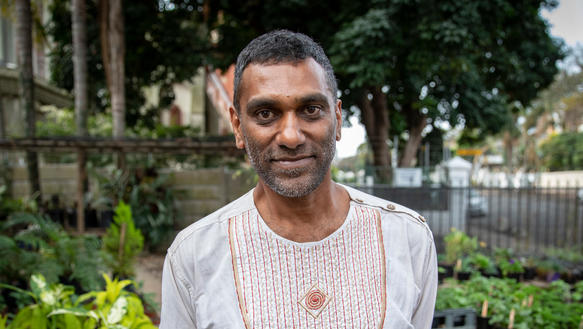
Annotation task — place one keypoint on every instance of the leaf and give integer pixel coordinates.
(78, 311)
(117, 311)
(48, 297)
(38, 283)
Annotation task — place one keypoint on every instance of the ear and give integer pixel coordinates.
(338, 113)
(236, 124)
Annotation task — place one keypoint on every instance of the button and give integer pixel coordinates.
(391, 206)
(422, 218)
(358, 200)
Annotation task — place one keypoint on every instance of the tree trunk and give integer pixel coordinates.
(113, 53)
(508, 141)
(416, 122)
(81, 94)
(104, 39)
(117, 67)
(80, 65)
(5, 172)
(26, 84)
(2, 125)
(375, 117)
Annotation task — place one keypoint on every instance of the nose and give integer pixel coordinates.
(290, 134)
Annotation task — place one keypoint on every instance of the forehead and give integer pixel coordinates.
(290, 79)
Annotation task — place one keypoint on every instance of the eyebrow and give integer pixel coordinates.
(258, 103)
(313, 98)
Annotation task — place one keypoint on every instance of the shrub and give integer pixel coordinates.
(32, 243)
(55, 306)
(122, 242)
(535, 307)
(458, 245)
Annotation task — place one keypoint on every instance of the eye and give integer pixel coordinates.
(312, 110)
(265, 115)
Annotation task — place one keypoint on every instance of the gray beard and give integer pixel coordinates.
(278, 180)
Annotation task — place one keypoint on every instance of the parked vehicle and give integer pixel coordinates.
(478, 205)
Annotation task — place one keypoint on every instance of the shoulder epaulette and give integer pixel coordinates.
(391, 207)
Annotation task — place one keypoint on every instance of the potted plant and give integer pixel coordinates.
(483, 264)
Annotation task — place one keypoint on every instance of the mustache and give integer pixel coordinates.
(284, 152)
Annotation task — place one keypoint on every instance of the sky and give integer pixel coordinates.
(566, 22)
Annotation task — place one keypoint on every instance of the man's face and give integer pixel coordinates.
(289, 124)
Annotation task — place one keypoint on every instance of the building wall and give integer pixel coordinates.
(561, 179)
(197, 192)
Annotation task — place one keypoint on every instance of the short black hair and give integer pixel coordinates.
(282, 46)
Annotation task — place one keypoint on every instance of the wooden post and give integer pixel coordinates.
(457, 268)
(484, 309)
(122, 240)
(511, 319)
(81, 177)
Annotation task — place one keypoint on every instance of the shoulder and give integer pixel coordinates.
(390, 211)
(213, 225)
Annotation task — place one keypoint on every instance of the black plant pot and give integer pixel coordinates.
(568, 277)
(448, 273)
(482, 323)
(515, 276)
(57, 215)
(91, 218)
(578, 274)
(106, 218)
(529, 273)
(464, 276)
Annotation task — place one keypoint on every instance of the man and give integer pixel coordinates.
(298, 251)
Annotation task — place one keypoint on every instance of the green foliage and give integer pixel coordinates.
(122, 242)
(563, 151)
(9, 205)
(35, 244)
(149, 195)
(54, 306)
(472, 63)
(46, 299)
(112, 308)
(61, 122)
(152, 203)
(481, 263)
(573, 254)
(458, 245)
(507, 261)
(535, 307)
(153, 56)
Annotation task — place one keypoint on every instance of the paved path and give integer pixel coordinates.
(149, 271)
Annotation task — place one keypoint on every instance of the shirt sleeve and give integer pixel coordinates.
(423, 314)
(177, 309)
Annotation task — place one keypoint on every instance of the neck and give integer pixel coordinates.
(305, 219)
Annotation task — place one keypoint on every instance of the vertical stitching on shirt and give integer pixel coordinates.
(256, 272)
(236, 274)
(384, 265)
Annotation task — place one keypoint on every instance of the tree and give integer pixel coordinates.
(406, 64)
(466, 63)
(563, 152)
(560, 105)
(113, 55)
(166, 43)
(81, 94)
(26, 82)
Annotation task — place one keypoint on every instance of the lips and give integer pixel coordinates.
(296, 161)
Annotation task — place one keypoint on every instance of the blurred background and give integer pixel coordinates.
(469, 112)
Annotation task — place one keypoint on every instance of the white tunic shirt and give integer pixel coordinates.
(230, 270)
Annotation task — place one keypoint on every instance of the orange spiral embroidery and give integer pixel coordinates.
(315, 299)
